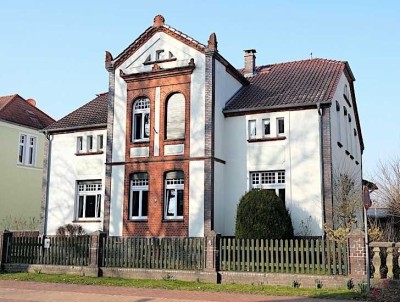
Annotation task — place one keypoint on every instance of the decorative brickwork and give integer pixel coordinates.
(327, 167)
(109, 148)
(357, 255)
(209, 143)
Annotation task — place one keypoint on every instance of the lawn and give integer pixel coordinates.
(340, 294)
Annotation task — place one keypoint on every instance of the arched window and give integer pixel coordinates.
(173, 205)
(139, 196)
(141, 119)
(175, 119)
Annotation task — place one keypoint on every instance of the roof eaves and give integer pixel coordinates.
(69, 129)
(273, 108)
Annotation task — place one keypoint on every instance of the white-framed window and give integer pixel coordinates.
(89, 143)
(139, 196)
(100, 142)
(79, 144)
(252, 129)
(266, 127)
(88, 201)
(27, 148)
(280, 126)
(141, 120)
(175, 119)
(174, 186)
(269, 180)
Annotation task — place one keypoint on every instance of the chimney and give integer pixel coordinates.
(249, 62)
(31, 102)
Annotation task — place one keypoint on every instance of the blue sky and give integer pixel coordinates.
(53, 51)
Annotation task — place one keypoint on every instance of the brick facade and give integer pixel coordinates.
(327, 167)
(357, 255)
(109, 145)
(156, 166)
(209, 142)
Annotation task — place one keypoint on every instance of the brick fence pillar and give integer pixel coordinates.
(96, 242)
(4, 237)
(211, 255)
(357, 255)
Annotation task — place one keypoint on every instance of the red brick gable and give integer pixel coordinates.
(15, 109)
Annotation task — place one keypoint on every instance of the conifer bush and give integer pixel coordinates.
(261, 214)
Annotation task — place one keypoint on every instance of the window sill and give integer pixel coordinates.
(173, 219)
(266, 139)
(138, 219)
(86, 220)
(174, 140)
(140, 143)
(89, 153)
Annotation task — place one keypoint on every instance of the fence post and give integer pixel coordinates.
(357, 255)
(4, 236)
(211, 244)
(96, 241)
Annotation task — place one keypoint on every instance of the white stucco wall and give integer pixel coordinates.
(66, 169)
(196, 199)
(225, 87)
(343, 132)
(117, 200)
(298, 155)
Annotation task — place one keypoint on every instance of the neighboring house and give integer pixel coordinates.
(188, 134)
(76, 167)
(21, 161)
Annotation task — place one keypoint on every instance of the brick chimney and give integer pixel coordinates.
(249, 62)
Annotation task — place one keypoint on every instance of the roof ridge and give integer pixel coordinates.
(86, 104)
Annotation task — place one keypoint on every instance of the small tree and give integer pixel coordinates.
(347, 204)
(347, 199)
(262, 215)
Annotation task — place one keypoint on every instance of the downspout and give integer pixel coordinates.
(322, 164)
(49, 137)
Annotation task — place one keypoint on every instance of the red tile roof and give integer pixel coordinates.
(15, 109)
(291, 84)
(92, 114)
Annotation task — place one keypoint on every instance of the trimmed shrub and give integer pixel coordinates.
(261, 214)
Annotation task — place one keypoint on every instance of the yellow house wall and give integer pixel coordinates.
(20, 186)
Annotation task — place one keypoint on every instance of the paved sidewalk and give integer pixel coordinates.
(21, 291)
